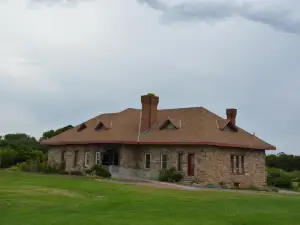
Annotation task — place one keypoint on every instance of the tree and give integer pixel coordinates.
(283, 161)
(51, 133)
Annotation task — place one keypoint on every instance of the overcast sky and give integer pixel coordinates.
(62, 62)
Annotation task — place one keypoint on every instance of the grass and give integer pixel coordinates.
(43, 199)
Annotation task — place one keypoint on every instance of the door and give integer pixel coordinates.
(191, 168)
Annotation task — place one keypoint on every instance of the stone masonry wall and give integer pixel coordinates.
(212, 164)
(55, 154)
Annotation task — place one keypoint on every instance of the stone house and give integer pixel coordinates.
(195, 141)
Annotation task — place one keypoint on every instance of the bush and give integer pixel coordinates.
(7, 157)
(282, 182)
(99, 171)
(282, 179)
(170, 175)
(37, 166)
(10, 157)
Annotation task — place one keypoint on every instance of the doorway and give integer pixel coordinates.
(191, 164)
(110, 157)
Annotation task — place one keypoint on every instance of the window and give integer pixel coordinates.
(170, 126)
(98, 157)
(179, 161)
(82, 127)
(63, 156)
(75, 158)
(87, 159)
(237, 164)
(163, 161)
(147, 160)
(100, 126)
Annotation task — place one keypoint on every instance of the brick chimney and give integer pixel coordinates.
(149, 111)
(231, 115)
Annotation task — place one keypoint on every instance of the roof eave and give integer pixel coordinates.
(268, 147)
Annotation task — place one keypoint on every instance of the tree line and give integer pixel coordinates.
(20, 147)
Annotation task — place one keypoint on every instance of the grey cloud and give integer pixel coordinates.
(276, 17)
(51, 3)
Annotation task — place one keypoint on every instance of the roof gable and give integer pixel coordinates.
(170, 124)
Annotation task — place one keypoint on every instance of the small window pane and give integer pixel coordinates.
(87, 158)
(170, 126)
(75, 158)
(164, 161)
(98, 154)
(63, 156)
(147, 161)
(179, 162)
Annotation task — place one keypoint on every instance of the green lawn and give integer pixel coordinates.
(40, 200)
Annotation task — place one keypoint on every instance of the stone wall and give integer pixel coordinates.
(55, 155)
(212, 164)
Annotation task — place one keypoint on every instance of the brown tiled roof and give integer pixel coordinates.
(197, 126)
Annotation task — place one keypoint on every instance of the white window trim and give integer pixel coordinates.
(86, 158)
(146, 160)
(97, 157)
(161, 161)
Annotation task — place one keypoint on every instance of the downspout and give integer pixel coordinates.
(138, 137)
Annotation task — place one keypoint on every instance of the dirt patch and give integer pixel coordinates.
(146, 183)
(28, 190)
(159, 185)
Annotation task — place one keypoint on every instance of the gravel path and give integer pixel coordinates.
(157, 184)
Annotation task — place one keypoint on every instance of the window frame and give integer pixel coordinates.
(179, 161)
(145, 166)
(237, 163)
(98, 158)
(162, 161)
(63, 155)
(86, 159)
(76, 152)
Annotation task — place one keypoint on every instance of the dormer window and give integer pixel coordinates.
(82, 127)
(103, 126)
(100, 126)
(227, 126)
(170, 124)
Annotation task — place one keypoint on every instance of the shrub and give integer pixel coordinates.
(170, 175)
(99, 171)
(282, 182)
(62, 166)
(37, 166)
(151, 94)
(51, 168)
(295, 185)
(7, 157)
